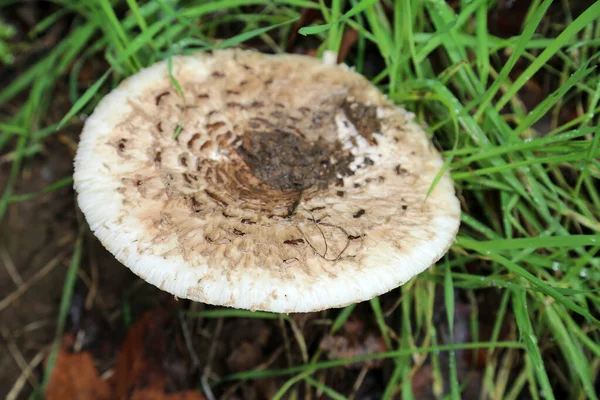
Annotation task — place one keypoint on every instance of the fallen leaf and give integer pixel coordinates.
(75, 377)
(139, 372)
(153, 394)
(140, 368)
(136, 368)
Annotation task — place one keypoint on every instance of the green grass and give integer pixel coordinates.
(531, 203)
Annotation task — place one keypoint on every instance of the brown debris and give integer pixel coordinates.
(284, 160)
(364, 118)
(355, 340)
(75, 377)
(140, 371)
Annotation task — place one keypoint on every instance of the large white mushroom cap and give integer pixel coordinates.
(292, 186)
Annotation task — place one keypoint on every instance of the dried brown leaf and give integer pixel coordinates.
(75, 377)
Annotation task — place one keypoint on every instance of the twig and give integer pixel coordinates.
(286, 341)
(211, 355)
(8, 300)
(188, 341)
(10, 266)
(17, 355)
(14, 392)
(358, 382)
(32, 326)
(299, 339)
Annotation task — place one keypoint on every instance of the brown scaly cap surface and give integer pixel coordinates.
(291, 186)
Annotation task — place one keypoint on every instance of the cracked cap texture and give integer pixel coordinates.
(272, 182)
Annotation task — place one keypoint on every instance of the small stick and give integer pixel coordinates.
(8, 300)
(17, 355)
(211, 355)
(14, 392)
(358, 382)
(10, 266)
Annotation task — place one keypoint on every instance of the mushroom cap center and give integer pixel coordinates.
(286, 160)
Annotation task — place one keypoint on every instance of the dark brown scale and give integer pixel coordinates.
(340, 193)
(203, 96)
(205, 145)
(195, 205)
(257, 104)
(364, 118)
(400, 171)
(223, 139)
(218, 74)
(194, 137)
(359, 214)
(183, 161)
(368, 162)
(262, 121)
(294, 242)
(238, 232)
(158, 157)
(232, 92)
(216, 198)
(160, 96)
(121, 144)
(214, 125)
(233, 104)
(248, 221)
(351, 237)
(159, 126)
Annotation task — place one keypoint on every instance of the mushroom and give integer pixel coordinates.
(268, 182)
